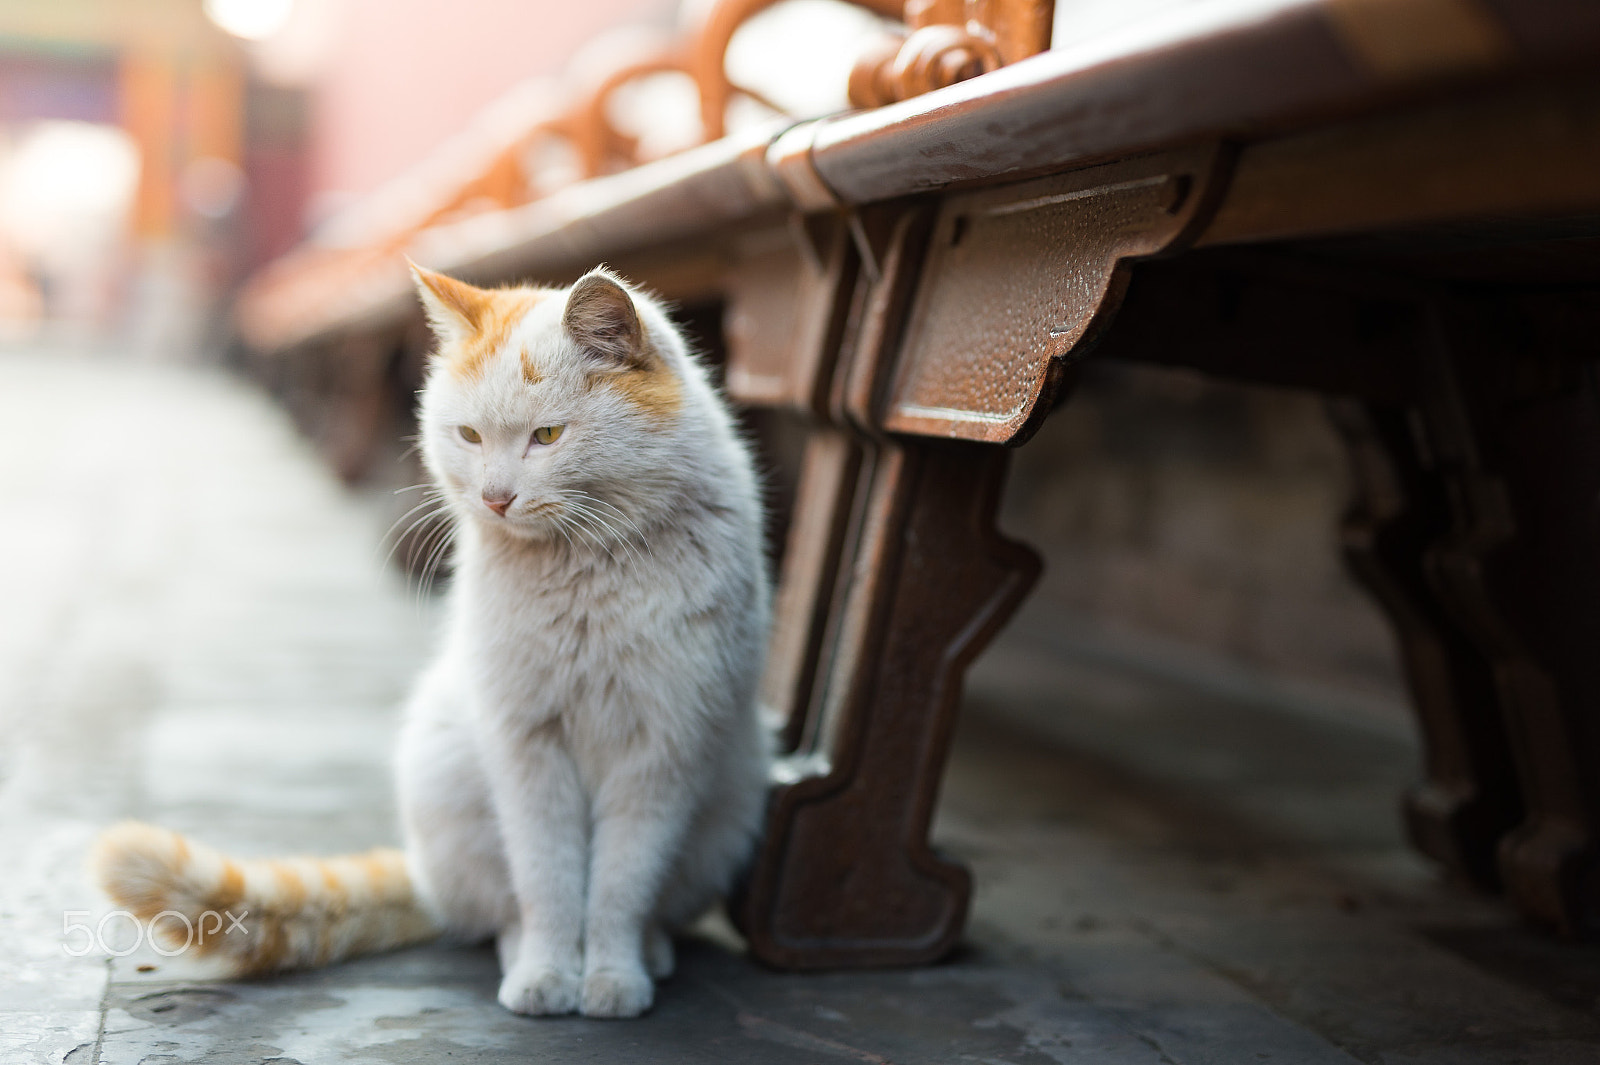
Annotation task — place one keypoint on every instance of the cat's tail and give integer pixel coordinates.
(260, 916)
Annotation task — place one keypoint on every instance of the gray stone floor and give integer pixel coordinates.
(196, 629)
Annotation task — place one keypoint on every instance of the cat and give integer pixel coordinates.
(582, 767)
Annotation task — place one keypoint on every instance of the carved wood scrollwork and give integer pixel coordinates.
(499, 171)
(1020, 280)
(949, 41)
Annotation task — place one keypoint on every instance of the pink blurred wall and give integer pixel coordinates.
(405, 74)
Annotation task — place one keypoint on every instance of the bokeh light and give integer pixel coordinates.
(254, 20)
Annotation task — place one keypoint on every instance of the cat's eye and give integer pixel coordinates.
(547, 434)
(470, 435)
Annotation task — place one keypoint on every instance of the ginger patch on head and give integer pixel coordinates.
(654, 389)
(502, 310)
(473, 323)
(530, 372)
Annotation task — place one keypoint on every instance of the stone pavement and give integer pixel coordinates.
(196, 629)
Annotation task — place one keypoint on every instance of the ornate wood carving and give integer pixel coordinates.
(1019, 280)
(845, 876)
(502, 169)
(949, 41)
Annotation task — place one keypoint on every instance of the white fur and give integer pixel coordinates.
(582, 769)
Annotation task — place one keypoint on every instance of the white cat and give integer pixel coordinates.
(582, 767)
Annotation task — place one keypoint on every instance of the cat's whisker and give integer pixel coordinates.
(405, 538)
(427, 501)
(596, 501)
(618, 511)
(584, 536)
(629, 542)
(434, 501)
(641, 541)
(597, 523)
(434, 507)
(606, 537)
(560, 527)
(430, 545)
(599, 519)
(435, 559)
(585, 529)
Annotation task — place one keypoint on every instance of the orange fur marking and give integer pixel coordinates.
(148, 870)
(223, 898)
(486, 317)
(291, 889)
(500, 311)
(382, 867)
(530, 372)
(466, 301)
(652, 387)
(231, 888)
(270, 946)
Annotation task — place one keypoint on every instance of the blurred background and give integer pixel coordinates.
(154, 152)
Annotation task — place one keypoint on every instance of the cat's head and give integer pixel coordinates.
(551, 413)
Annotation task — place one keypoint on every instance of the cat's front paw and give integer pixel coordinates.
(617, 992)
(541, 991)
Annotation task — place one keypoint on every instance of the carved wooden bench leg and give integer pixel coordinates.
(846, 877)
(829, 469)
(1468, 798)
(1515, 425)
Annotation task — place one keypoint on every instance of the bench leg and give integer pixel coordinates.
(1514, 425)
(829, 470)
(1468, 799)
(845, 876)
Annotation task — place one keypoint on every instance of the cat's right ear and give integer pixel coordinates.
(602, 320)
(455, 309)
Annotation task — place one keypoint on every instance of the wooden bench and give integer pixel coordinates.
(1395, 204)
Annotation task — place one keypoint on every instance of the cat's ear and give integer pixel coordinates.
(455, 309)
(601, 318)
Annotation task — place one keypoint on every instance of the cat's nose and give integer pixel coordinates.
(498, 504)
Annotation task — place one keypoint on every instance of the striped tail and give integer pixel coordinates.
(266, 915)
